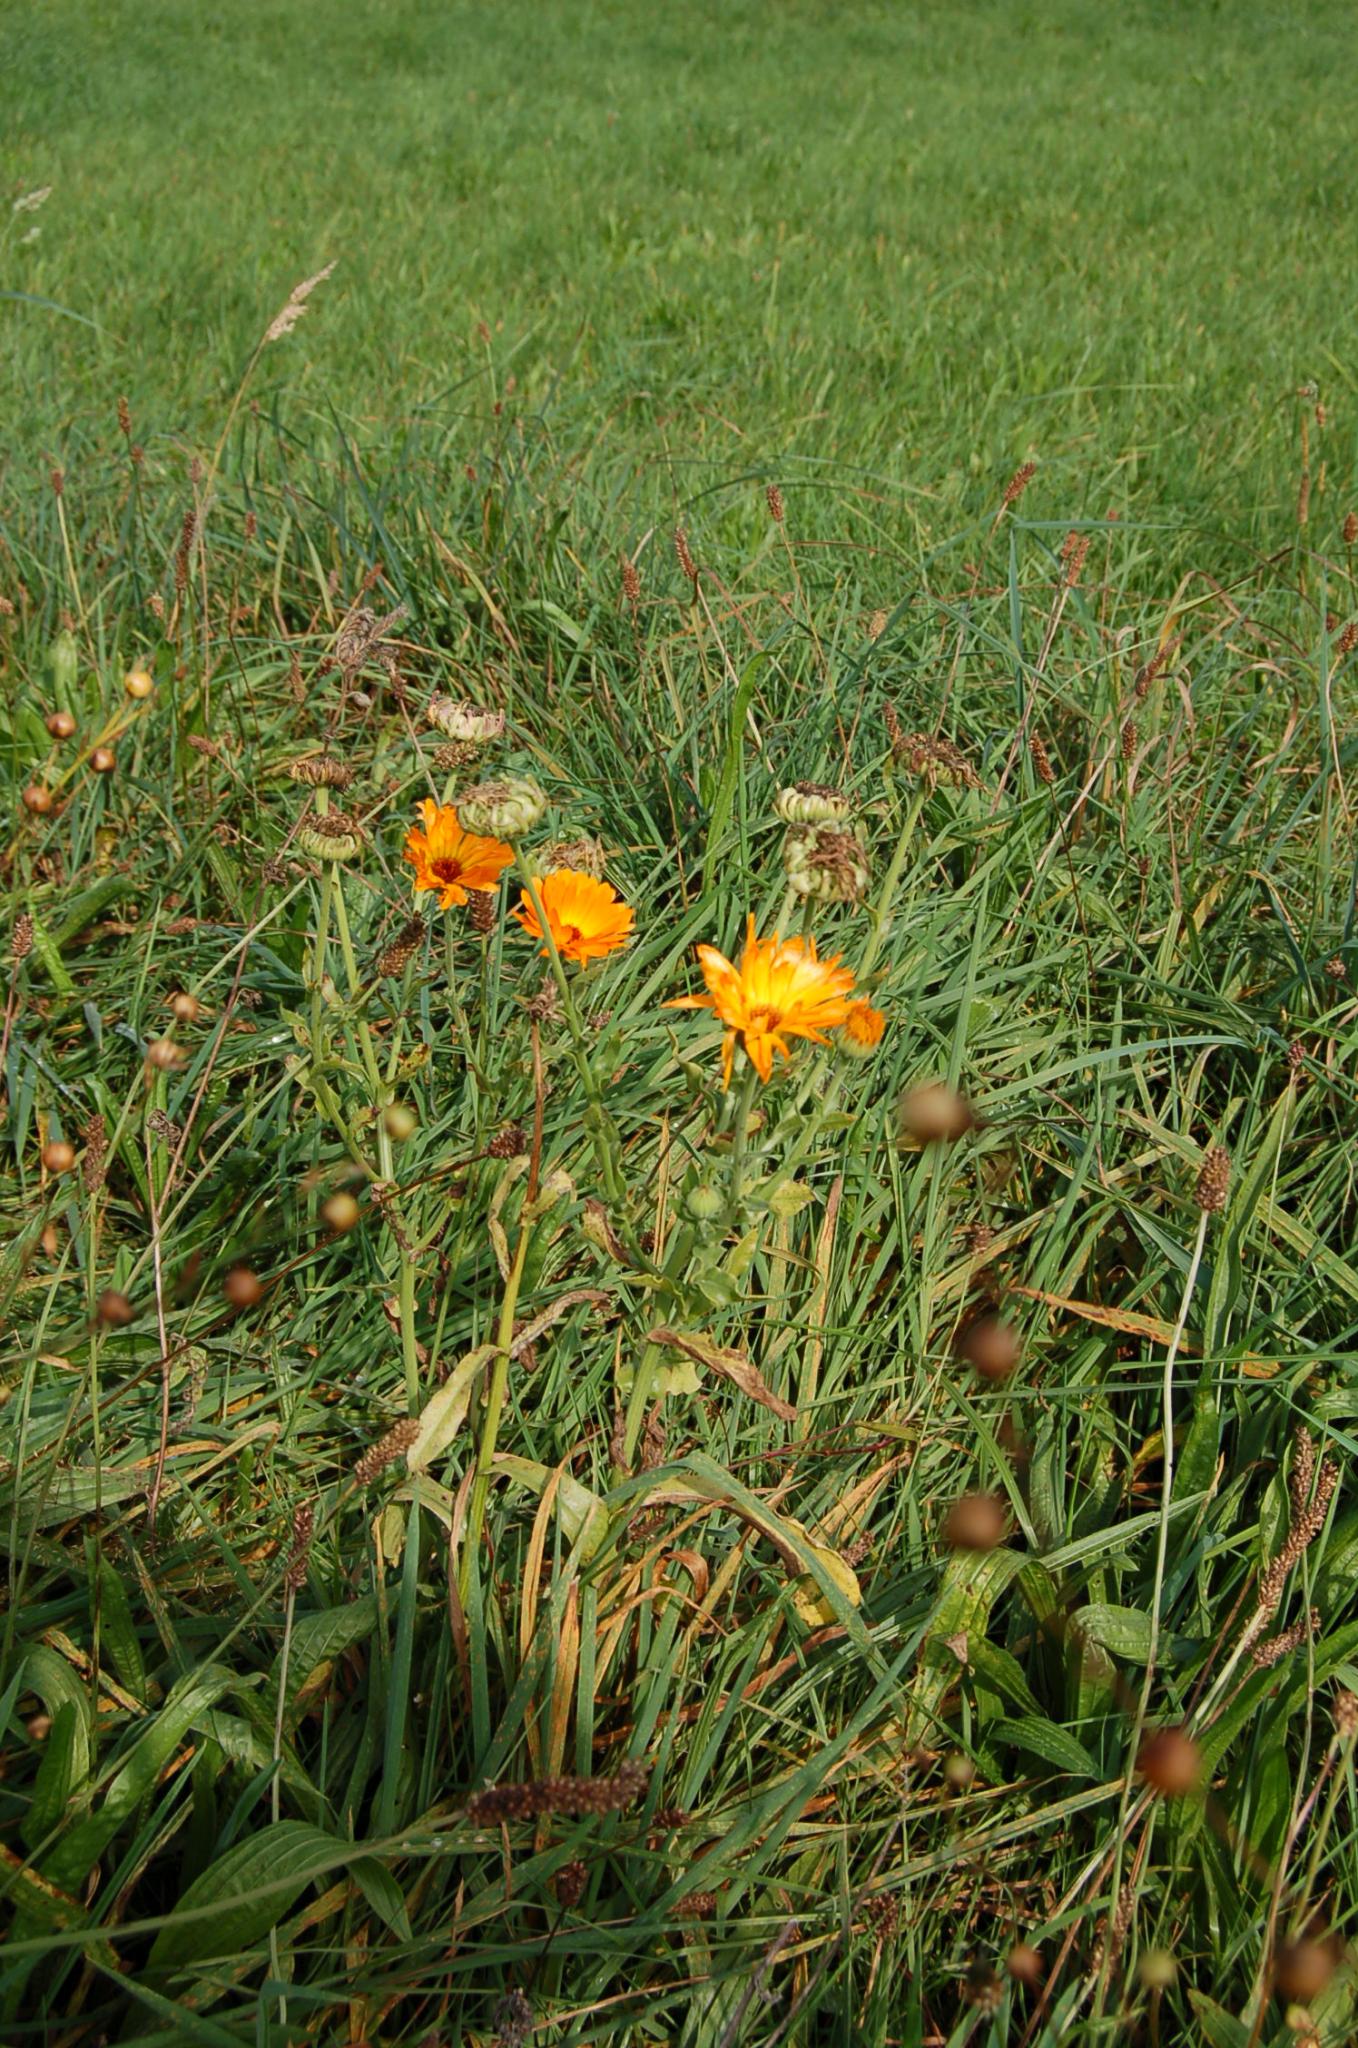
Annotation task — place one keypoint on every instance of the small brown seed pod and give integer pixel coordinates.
(138, 684)
(58, 1156)
(164, 1055)
(241, 1287)
(978, 1521)
(114, 1310)
(185, 1008)
(1170, 1762)
(103, 761)
(934, 1112)
(340, 1213)
(990, 1346)
(60, 724)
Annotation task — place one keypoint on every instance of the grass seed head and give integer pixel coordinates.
(185, 1008)
(773, 497)
(397, 955)
(1157, 1969)
(571, 1880)
(1018, 483)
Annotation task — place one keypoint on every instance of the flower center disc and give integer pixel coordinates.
(447, 870)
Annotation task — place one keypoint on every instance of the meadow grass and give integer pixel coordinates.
(404, 1642)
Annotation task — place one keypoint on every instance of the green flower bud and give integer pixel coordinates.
(704, 1204)
(63, 658)
(810, 803)
(502, 810)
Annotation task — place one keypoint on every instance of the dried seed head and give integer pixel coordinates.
(60, 724)
(114, 1310)
(1041, 759)
(303, 1527)
(319, 771)
(124, 419)
(1350, 528)
(1074, 549)
(96, 1150)
(774, 499)
(990, 1346)
(1019, 482)
(37, 799)
(164, 1055)
(513, 2020)
(396, 956)
(1129, 738)
(584, 856)
(825, 865)
(545, 1006)
(811, 803)
(1348, 639)
(930, 756)
(631, 582)
(982, 1988)
(386, 1450)
(468, 724)
(510, 1143)
(21, 938)
(330, 835)
(1214, 1180)
(483, 911)
(103, 760)
(697, 1906)
(934, 1112)
(1170, 1762)
(571, 1880)
(575, 1796)
(877, 624)
(340, 1213)
(1346, 1715)
(58, 1156)
(185, 1008)
(502, 810)
(1304, 498)
(242, 1287)
(139, 684)
(686, 561)
(978, 1521)
(1335, 968)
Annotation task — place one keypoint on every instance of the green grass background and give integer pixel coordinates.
(603, 270)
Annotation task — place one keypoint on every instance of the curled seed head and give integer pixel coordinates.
(470, 724)
(825, 865)
(321, 771)
(810, 803)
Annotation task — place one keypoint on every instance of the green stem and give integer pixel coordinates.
(882, 910)
(495, 1401)
(739, 1141)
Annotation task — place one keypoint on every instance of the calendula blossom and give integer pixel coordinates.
(450, 860)
(586, 917)
(862, 1028)
(781, 989)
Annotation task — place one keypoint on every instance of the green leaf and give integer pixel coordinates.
(1045, 1739)
(1126, 1631)
(1220, 2028)
(118, 1633)
(319, 1638)
(65, 1764)
(383, 1894)
(285, 1858)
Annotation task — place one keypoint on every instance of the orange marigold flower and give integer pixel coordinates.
(586, 917)
(450, 860)
(862, 1028)
(781, 989)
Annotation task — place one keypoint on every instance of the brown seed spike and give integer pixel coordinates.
(1214, 1180)
(1350, 528)
(686, 561)
(1041, 759)
(1019, 482)
(386, 1450)
(483, 911)
(631, 582)
(1170, 1762)
(774, 499)
(571, 1880)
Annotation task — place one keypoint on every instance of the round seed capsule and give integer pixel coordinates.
(184, 1008)
(58, 1156)
(138, 684)
(60, 724)
(103, 761)
(1170, 1762)
(399, 1121)
(114, 1309)
(37, 799)
(164, 1054)
(241, 1287)
(990, 1346)
(340, 1213)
